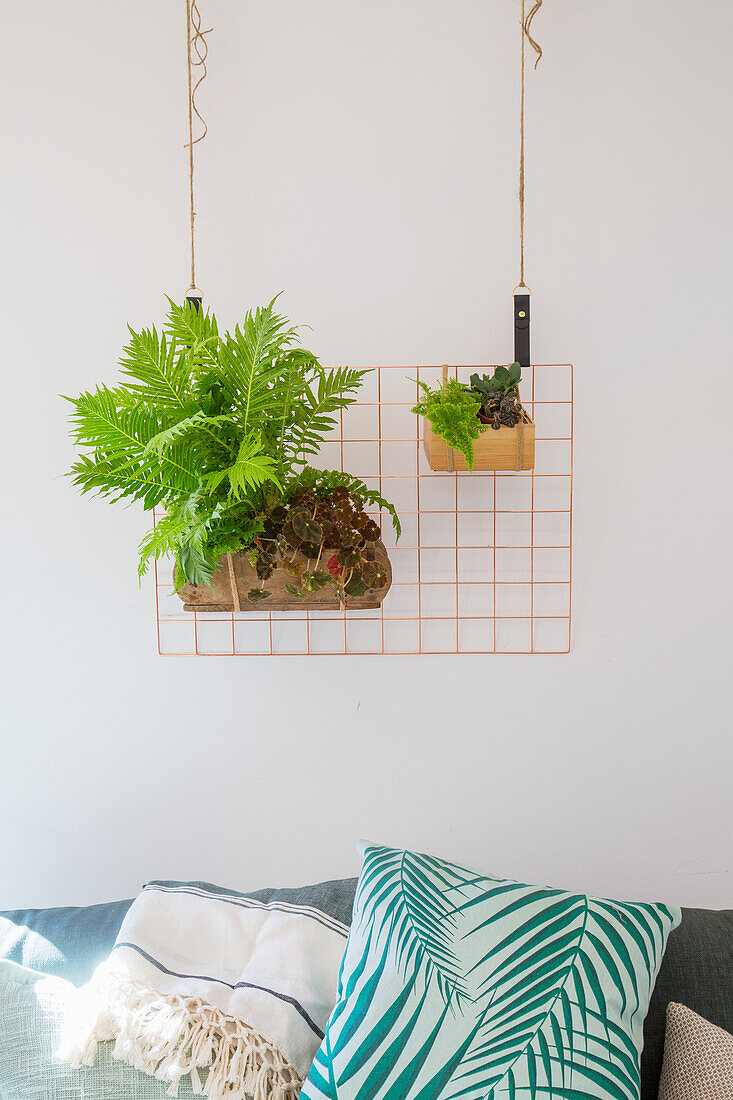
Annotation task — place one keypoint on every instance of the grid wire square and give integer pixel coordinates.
(551, 564)
(513, 529)
(437, 528)
(437, 566)
(401, 635)
(513, 599)
(326, 635)
(361, 459)
(552, 456)
(475, 492)
(553, 382)
(176, 637)
(476, 635)
(513, 635)
(476, 565)
(437, 600)
(363, 635)
(439, 635)
(553, 421)
(399, 490)
(437, 493)
(475, 600)
(514, 494)
(475, 528)
(552, 529)
(396, 387)
(551, 599)
(400, 425)
(251, 636)
(400, 456)
(369, 388)
(290, 635)
(328, 457)
(513, 565)
(402, 600)
(361, 422)
(552, 494)
(551, 635)
(215, 636)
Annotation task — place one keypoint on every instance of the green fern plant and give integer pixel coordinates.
(215, 429)
(452, 410)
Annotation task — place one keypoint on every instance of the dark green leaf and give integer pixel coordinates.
(293, 591)
(256, 594)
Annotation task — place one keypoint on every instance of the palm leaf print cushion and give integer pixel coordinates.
(457, 985)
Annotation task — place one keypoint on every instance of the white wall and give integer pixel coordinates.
(362, 158)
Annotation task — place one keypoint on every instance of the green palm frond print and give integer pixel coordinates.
(456, 986)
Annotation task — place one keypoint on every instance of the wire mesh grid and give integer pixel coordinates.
(484, 564)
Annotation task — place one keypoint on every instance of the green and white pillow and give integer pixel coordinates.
(458, 986)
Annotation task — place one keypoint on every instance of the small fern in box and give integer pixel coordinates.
(452, 409)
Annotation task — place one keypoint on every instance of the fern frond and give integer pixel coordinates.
(190, 327)
(251, 469)
(104, 478)
(199, 422)
(249, 362)
(106, 420)
(118, 431)
(452, 410)
(160, 370)
(185, 532)
(315, 418)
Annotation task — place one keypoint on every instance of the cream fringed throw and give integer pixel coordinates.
(231, 991)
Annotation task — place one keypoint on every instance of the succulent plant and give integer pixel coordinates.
(504, 381)
(499, 396)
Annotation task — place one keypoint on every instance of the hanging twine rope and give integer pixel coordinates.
(197, 45)
(526, 37)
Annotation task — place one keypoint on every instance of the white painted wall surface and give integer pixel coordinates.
(362, 157)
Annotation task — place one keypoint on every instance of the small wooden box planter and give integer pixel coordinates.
(503, 449)
(495, 449)
(235, 577)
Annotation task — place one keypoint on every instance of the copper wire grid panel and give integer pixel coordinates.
(484, 564)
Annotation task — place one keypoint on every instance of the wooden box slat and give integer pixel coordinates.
(494, 450)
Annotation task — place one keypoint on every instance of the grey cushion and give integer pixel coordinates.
(68, 943)
(697, 971)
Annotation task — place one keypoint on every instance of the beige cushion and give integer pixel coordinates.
(698, 1058)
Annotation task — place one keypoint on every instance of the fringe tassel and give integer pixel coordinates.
(168, 1036)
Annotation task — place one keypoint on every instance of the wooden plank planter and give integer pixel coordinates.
(234, 577)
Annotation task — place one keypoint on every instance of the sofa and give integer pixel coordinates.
(697, 969)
